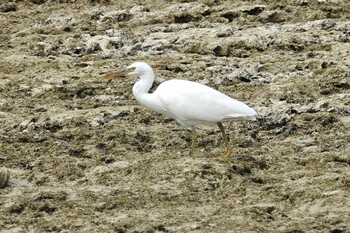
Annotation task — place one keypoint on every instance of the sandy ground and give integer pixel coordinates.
(85, 157)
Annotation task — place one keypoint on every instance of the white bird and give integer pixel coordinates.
(191, 104)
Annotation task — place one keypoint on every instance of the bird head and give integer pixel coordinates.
(136, 69)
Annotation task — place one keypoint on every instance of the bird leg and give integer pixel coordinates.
(229, 149)
(194, 141)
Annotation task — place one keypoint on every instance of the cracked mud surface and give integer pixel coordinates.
(84, 156)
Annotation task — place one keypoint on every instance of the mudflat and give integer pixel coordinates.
(83, 156)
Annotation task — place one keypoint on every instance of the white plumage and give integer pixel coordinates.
(189, 103)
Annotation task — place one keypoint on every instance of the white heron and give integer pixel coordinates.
(191, 104)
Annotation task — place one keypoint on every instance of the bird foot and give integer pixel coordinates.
(227, 154)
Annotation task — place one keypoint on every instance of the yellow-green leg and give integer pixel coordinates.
(194, 142)
(229, 149)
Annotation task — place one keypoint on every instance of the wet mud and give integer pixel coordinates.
(83, 156)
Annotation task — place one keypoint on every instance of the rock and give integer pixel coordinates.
(117, 16)
(230, 15)
(306, 142)
(46, 49)
(114, 44)
(60, 19)
(96, 14)
(138, 8)
(4, 177)
(253, 10)
(9, 7)
(327, 24)
(302, 2)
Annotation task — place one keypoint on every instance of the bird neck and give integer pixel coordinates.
(143, 86)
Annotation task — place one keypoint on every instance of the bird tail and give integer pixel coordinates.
(250, 114)
(251, 118)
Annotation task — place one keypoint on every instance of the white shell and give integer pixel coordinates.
(4, 177)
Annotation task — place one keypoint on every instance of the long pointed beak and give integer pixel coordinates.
(115, 75)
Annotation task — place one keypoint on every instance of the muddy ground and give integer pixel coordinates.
(85, 157)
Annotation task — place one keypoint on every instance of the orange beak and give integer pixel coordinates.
(115, 75)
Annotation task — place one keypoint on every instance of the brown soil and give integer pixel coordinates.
(85, 157)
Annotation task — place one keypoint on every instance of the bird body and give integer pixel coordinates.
(193, 104)
(189, 103)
